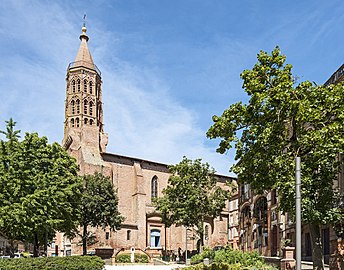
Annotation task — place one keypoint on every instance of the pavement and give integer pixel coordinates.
(143, 267)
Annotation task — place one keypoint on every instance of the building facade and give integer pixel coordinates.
(137, 181)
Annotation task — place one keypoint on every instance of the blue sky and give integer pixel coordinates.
(167, 66)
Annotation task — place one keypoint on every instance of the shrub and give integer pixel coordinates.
(53, 263)
(228, 259)
(141, 258)
(125, 258)
(207, 253)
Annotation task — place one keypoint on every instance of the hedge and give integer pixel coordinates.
(53, 263)
(125, 258)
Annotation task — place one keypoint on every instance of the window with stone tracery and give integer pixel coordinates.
(91, 87)
(77, 106)
(154, 187)
(73, 107)
(85, 106)
(73, 86)
(85, 86)
(78, 85)
(91, 107)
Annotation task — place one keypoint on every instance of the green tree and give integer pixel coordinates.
(283, 120)
(98, 207)
(39, 188)
(191, 195)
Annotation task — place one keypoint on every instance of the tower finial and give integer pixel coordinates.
(83, 34)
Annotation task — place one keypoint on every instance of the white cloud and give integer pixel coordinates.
(141, 118)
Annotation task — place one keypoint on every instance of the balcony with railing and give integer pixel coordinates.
(85, 64)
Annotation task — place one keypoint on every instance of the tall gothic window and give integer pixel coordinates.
(91, 122)
(72, 122)
(73, 86)
(77, 122)
(85, 106)
(85, 86)
(77, 106)
(73, 107)
(78, 84)
(91, 107)
(154, 187)
(85, 121)
(206, 232)
(91, 87)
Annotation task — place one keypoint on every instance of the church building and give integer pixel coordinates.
(137, 181)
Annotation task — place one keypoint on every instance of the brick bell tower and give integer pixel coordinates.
(84, 137)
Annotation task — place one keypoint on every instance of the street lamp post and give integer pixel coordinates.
(298, 212)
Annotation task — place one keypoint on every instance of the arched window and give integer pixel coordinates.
(85, 106)
(85, 121)
(91, 107)
(72, 122)
(91, 84)
(77, 106)
(128, 234)
(206, 232)
(91, 122)
(77, 122)
(73, 86)
(73, 107)
(154, 187)
(155, 238)
(78, 84)
(85, 86)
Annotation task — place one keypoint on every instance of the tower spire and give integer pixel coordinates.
(83, 108)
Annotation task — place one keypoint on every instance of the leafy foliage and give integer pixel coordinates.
(98, 205)
(39, 188)
(51, 263)
(125, 258)
(281, 121)
(229, 259)
(191, 186)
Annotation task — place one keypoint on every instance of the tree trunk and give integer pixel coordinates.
(35, 245)
(317, 249)
(12, 248)
(201, 235)
(84, 240)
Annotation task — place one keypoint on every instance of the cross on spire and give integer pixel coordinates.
(84, 25)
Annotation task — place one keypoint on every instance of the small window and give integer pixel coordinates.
(128, 234)
(78, 85)
(91, 107)
(154, 187)
(72, 122)
(91, 87)
(85, 106)
(206, 232)
(85, 86)
(73, 107)
(85, 121)
(77, 106)
(91, 122)
(73, 86)
(107, 235)
(77, 122)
